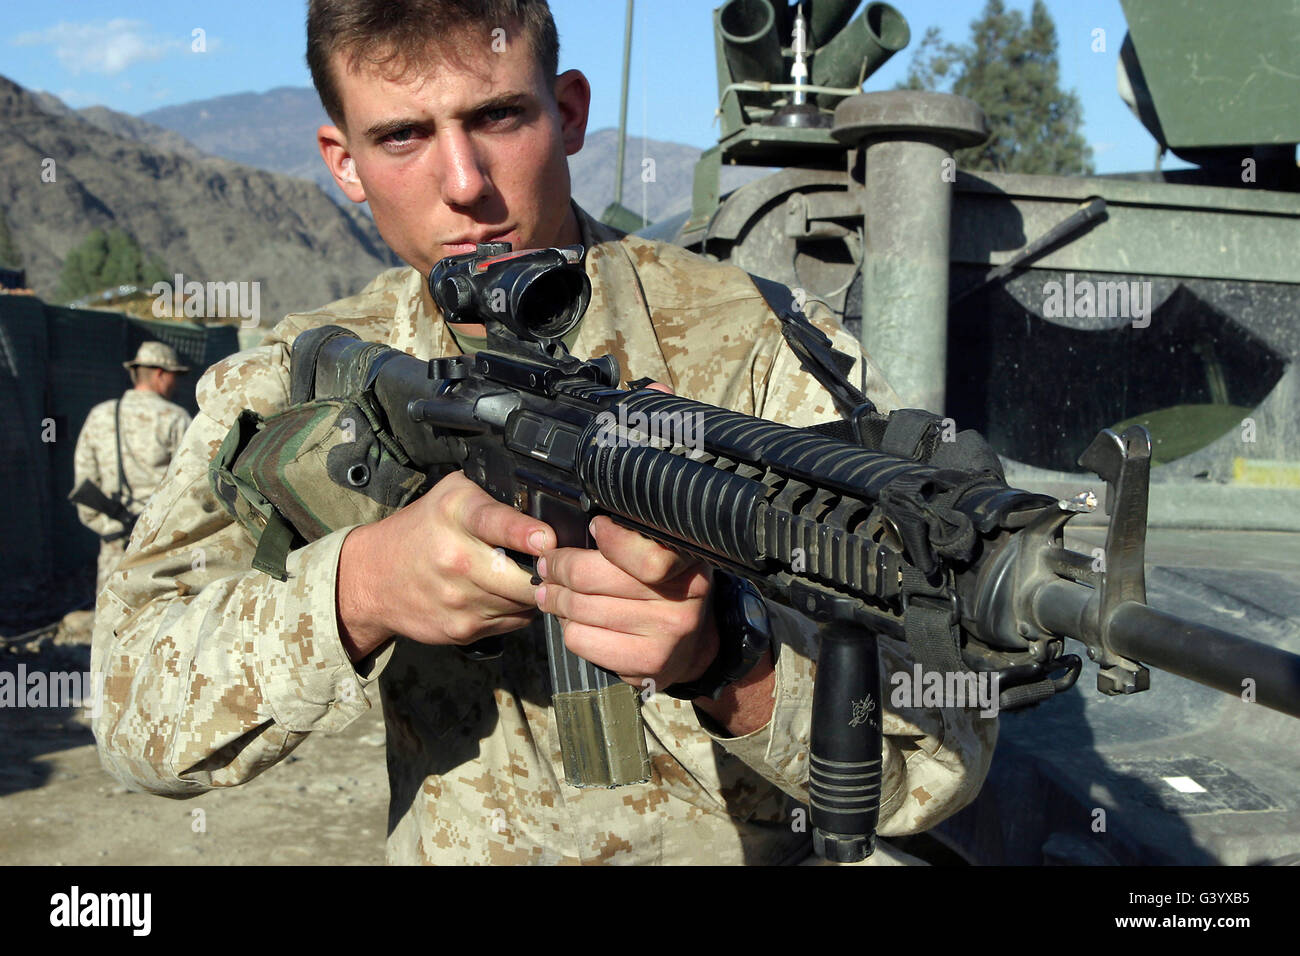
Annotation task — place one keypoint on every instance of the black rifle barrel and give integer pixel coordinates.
(1207, 655)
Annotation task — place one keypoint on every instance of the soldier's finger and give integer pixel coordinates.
(646, 560)
(505, 623)
(616, 651)
(608, 613)
(589, 571)
(497, 575)
(499, 526)
(465, 629)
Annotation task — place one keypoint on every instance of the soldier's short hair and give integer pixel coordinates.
(398, 36)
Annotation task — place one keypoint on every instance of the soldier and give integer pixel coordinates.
(147, 429)
(449, 119)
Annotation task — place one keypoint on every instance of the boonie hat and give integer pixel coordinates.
(157, 355)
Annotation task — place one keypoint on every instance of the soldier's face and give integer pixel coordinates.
(471, 151)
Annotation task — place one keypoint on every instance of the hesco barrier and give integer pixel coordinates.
(55, 365)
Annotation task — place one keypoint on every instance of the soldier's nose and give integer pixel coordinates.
(464, 180)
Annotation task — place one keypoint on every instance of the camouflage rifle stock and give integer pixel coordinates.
(973, 573)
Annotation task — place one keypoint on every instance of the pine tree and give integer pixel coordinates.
(105, 261)
(933, 63)
(122, 264)
(153, 271)
(82, 267)
(1010, 69)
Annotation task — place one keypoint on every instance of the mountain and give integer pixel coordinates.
(670, 175)
(131, 127)
(119, 124)
(206, 217)
(276, 130)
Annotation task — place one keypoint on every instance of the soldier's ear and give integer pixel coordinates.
(573, 98)
(333, 145)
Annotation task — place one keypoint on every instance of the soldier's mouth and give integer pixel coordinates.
(467, 244)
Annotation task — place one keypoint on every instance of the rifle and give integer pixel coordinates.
(972, 573)
(92, 496)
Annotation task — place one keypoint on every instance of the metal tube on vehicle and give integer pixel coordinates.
(908, 137)
(750, 40)
(859, 49)
(827, 18)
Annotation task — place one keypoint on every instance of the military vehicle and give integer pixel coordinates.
(1038, 310)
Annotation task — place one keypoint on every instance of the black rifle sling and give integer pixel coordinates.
(930, 622)
(124, 492)
(812, 346)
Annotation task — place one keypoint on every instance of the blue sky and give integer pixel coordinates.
(136, 55)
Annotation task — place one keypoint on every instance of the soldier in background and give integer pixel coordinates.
(124, 449)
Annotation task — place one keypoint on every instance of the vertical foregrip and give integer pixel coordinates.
(845, 748)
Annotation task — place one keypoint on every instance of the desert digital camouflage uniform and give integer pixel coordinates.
(152, 429)
(215, 672)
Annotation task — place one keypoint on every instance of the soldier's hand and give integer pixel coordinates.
(431, 572)
(632, 606)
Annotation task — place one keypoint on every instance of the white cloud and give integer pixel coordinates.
(102, 46)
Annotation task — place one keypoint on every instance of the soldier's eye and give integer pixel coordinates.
(501, 115)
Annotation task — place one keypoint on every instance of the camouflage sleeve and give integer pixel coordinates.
(213, 672)
(87, 466)
(176, 427)
(934, 760)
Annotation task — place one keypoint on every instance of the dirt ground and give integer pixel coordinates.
(326, 804)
